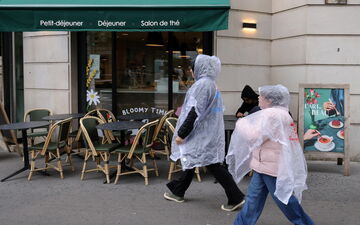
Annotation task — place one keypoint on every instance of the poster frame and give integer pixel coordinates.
(345, 156)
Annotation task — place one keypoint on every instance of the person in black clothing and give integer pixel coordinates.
(250, 104)
(199, 138)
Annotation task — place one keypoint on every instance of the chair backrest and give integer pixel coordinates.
(64, 130)
(170, 124)
(37, 114)
(146, 132)
(90, 132)
(161, 123)
(103, 114)
(9, 136)
(63, 127)
(106, 115)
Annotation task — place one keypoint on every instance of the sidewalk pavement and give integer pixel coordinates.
(332, 199)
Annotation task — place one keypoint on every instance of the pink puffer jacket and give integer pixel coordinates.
(266, 158)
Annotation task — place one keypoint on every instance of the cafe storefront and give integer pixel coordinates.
(135, 55)
(258, 42)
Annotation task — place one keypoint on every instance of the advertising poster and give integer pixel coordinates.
(324, 121)
(324, 116)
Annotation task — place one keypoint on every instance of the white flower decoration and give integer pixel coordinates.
(92, 97)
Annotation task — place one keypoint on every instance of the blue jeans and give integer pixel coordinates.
(258, 190)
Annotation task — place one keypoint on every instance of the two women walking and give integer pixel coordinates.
(265, 142)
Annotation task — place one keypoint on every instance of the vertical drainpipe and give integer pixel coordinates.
(114, 75)
(170, 72)
(82, 61)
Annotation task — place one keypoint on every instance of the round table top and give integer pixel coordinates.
(23, 125)
(229, 124)
(140, 116)
(121, 125)
(64, 116)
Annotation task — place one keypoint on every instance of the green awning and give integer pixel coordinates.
(113, 15)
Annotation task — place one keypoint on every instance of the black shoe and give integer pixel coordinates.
(172, 197)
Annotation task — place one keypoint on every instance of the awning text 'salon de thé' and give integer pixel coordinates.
(113, 15)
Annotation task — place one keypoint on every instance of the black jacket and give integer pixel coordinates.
(188, 124)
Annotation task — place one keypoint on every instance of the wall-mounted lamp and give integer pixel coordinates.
(249, 25)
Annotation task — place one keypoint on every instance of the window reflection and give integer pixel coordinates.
(100, 51)
(142, 67)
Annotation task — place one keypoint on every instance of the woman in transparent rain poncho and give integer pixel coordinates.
(199, 136)
(267, 143)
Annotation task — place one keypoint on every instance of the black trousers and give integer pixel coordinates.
(179, 186)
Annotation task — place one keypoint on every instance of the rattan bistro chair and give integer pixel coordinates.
(136, 153)
(51, 148)
(37, 115)
(170, 124)
(160, 146)
(95, 147)
(76, 137)
(106, 116)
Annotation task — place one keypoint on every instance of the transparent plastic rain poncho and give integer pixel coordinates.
(275, 124)
(206, 142)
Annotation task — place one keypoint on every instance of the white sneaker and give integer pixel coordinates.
(230, 208)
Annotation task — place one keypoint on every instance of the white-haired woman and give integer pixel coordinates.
(267, 143)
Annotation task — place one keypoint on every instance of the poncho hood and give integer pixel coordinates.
(207, 66)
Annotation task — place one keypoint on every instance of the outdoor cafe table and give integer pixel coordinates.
(134, 117)
(140, 116)
(64, 116)
(23, 126)
(120, 125)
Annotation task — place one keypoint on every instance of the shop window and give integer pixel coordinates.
(99, 67)
(136, 69)
(142, 71)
